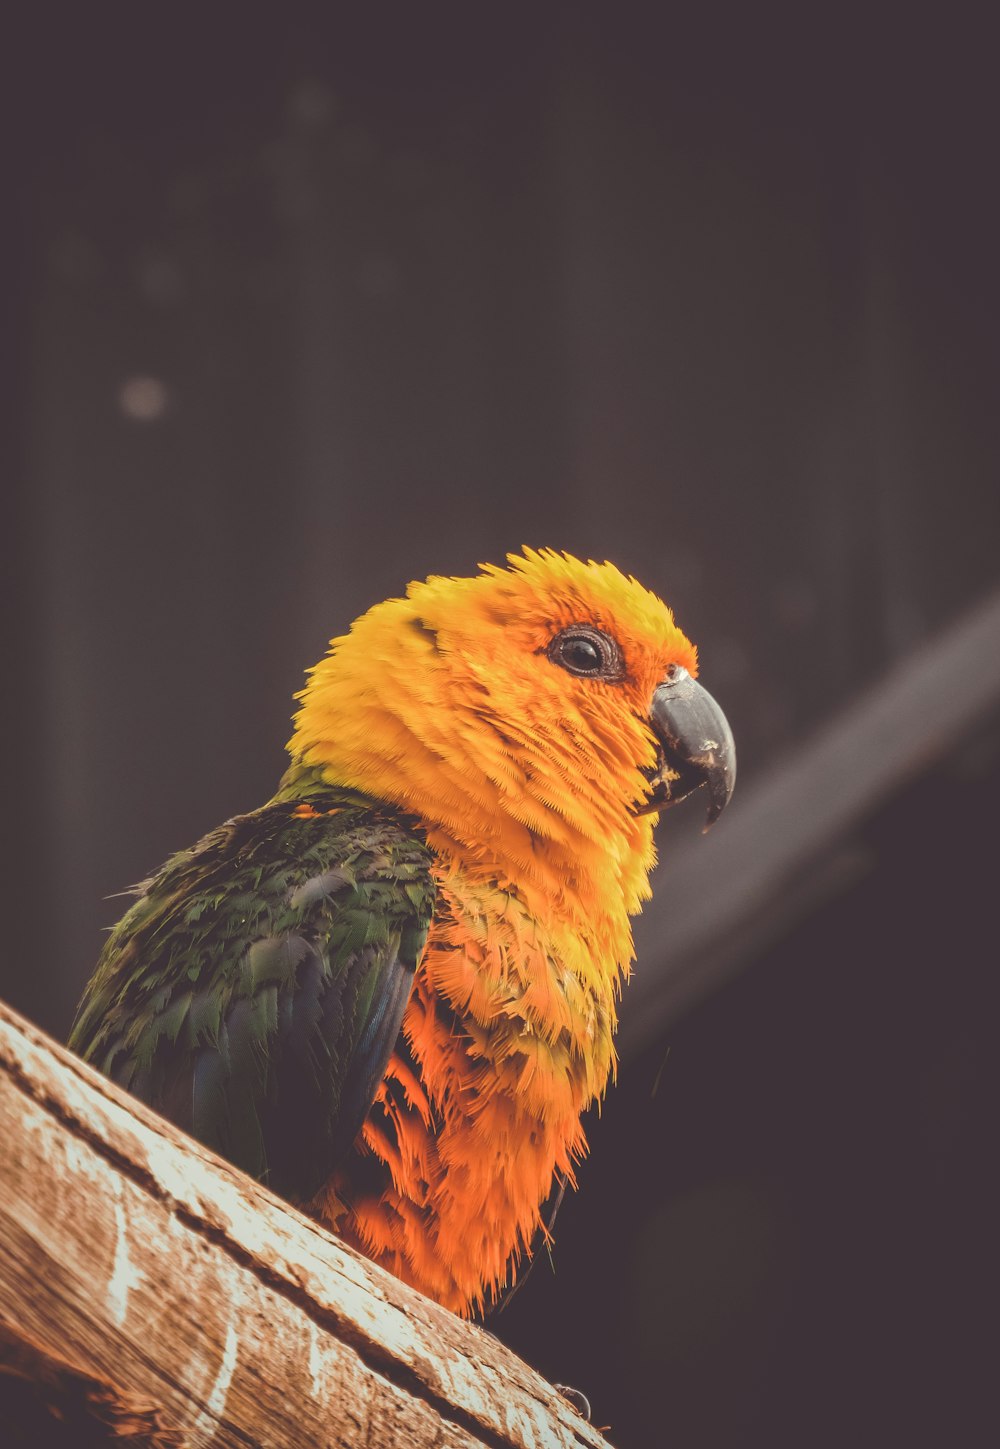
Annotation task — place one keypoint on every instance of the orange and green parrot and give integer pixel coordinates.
(390, 992)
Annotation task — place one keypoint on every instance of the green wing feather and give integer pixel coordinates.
(255, 989)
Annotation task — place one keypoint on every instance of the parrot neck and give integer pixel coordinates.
(564, 882)
(584, 886)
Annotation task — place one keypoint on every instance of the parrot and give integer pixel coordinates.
(391, 992)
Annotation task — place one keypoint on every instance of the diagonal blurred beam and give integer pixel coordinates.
(776, 850)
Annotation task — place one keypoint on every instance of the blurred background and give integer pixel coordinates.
(304, 304)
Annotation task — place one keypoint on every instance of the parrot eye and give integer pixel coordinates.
(586, 651)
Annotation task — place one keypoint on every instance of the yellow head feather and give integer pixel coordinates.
(446, 703)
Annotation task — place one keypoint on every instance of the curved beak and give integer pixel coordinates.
(696, 746)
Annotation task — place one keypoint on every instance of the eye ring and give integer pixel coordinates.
(587, 652)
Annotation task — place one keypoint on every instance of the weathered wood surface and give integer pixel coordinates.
(131, 1257)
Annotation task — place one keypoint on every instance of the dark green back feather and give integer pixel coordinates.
(255, 989)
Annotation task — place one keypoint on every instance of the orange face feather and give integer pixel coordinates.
(526, 778)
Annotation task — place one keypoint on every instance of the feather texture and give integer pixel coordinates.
(392, 992)
(254, 991)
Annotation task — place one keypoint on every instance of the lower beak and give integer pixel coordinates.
(695, 746)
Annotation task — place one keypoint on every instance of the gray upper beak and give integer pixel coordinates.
(696, 742)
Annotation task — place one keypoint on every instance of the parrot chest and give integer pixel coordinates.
(504, 1044)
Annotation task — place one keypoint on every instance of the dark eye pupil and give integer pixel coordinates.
(582, 654)
(585, 650)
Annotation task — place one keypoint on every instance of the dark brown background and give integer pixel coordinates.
(712, 295)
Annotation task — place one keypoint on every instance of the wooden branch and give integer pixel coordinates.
(144, 1280)
(771, 856)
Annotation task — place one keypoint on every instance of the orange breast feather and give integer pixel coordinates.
(507, 1039)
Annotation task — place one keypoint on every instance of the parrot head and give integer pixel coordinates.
(535, 717)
